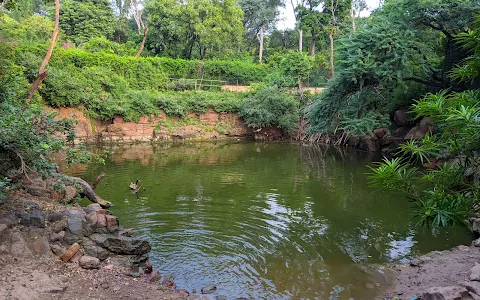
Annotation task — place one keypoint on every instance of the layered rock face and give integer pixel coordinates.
(208, 126)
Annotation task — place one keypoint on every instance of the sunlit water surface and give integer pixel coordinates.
(264, 220)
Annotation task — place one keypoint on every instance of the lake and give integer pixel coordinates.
(264, 220)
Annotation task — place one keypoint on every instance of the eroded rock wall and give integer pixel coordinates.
(208, 126)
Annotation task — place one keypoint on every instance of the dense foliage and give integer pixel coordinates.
(404, 50)
(445, 187)
(82, 20)
(269, 106)
(194, 29)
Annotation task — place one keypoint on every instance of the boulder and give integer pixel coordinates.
(60, 225)
(121, 244)
(57, 236)
(353, 140)
(9, 220)
(37, 241)
(380, 132)
(411, 134)
(93, 250)
(57, 249)
(89, 262)
(425, 124)
(33, 219)
(372, 144)
(55, 217)
(112, 223)
(472, 286)
(101, 222)
(75, 221)
(446, 293)
(475, 273)
(19, 247)
(401, 118)
(401, 132)
(128, 260)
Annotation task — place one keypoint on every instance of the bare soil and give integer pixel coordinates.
(436, 269)
(49, 278)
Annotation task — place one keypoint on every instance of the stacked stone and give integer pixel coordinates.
(90, 235)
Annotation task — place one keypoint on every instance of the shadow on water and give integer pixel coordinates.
(264, 220)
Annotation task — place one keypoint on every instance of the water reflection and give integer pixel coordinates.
(268, 221)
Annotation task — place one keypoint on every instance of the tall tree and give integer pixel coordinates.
(137, 11)
(194, 29)
(357, 7)
(259, 15)
(82, 20)
(295, 4)
(312, 19)
(42, 73)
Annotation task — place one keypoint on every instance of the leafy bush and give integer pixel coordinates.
(178, 104)
(34, 29)
(101, 44)
(366, 124)
(270, 106)
(444, 196)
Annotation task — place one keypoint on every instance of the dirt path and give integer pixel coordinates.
(49, 278)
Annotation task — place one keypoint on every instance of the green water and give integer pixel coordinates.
(264, 220)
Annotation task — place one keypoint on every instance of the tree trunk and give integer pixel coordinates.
(354, 26)
(313, 43)
(332, 52)
(97, 180)
(42, 74)
(300, 89)
(142, 46)
(88, 192)
(260, 40)
(300, 40)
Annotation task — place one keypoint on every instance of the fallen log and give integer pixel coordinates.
(87, 192)
(97, 180)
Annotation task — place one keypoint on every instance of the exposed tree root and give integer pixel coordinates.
(89, 193)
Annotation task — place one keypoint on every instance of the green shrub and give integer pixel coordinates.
(101, 44)
(270, 106)
(178, 104)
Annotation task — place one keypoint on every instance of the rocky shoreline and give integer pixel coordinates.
(439, 275)
(52, 251)
(51, 248)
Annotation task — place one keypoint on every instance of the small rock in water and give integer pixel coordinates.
(209, 289)
(220, 297)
